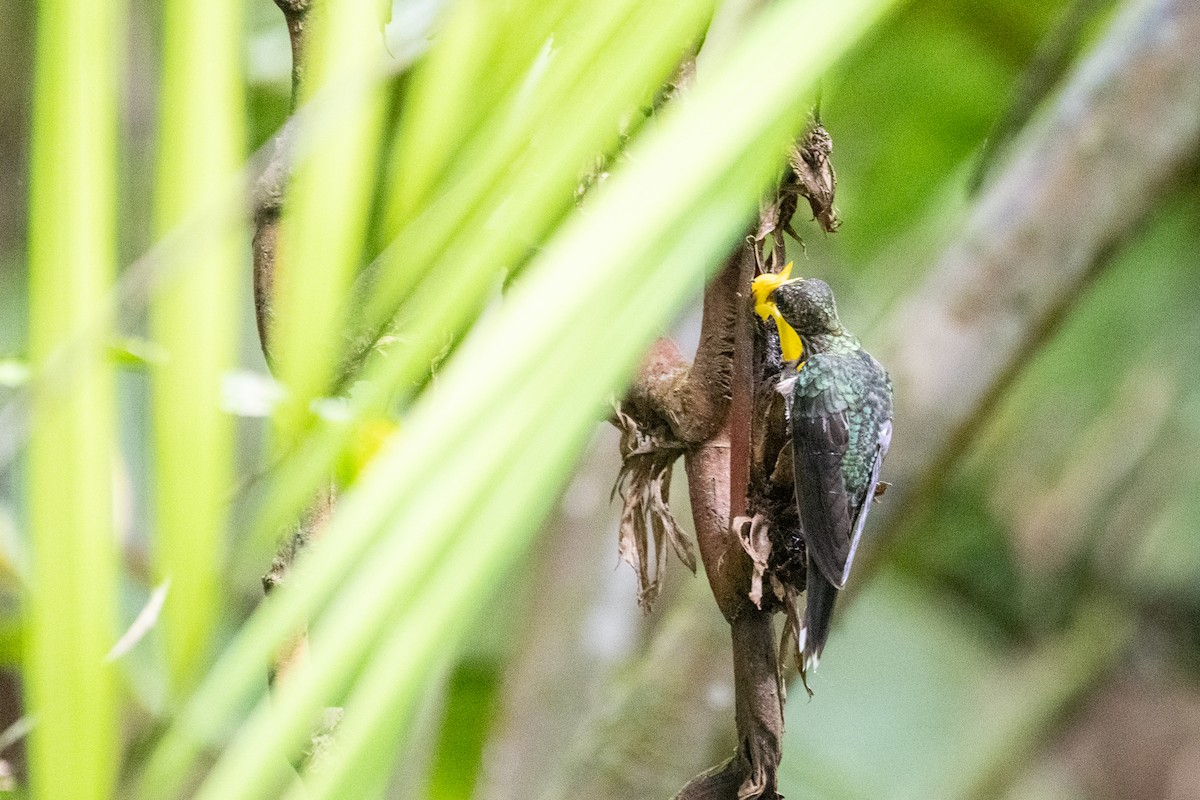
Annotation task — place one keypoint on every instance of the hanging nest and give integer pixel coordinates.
(811, 176)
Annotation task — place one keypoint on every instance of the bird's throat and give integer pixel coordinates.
(790, 346)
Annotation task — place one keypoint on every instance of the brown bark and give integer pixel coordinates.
(308, 530)
(717, 495)
(296, 13)
(268, 204)
(707, 408)
(718, 478)
(268, 200)
(693, 397)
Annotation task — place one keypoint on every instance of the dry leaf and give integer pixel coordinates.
(647, 524)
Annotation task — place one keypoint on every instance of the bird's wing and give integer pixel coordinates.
(820, 437)
(885, 439)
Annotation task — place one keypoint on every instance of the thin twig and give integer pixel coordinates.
(269, 196)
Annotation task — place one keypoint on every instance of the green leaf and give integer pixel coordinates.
(136, 353)
(470, 712)
(69, 688)
(194, 318)
(328, 203)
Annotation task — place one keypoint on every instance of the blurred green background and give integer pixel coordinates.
(1033, 635)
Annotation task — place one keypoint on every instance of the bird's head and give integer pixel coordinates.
(799, 306)
(807, 305)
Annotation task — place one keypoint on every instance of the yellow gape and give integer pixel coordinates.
(789, 341)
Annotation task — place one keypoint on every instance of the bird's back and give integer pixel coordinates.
(852, 384)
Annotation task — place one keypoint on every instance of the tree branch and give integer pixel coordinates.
(706, 412)
(296, 13)
(268, 205)
(268, 195)
(710, 465)
(718, 477)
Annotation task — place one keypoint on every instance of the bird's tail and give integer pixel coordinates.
(821, 595)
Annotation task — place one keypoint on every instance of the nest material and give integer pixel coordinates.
(755, 534)
(812, 176)
(809, 174)
(648, 457)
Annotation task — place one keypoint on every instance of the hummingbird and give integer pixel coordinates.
(838, 417)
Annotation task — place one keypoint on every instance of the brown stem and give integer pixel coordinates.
(758, 692)
(712, 465)
(268, 207)
(718, 479)
(708, 489)
(268, 200)
(741, 401)
(707, 408)
(309, 529)
(693, 399)
(268, 204)
(296, 13)
(759, 703)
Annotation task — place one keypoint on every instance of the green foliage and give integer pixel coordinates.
(906, 124)
(499, 122)
(328, 204)
(434, 201)
(194, 319)
(470, 708)
(71, 609)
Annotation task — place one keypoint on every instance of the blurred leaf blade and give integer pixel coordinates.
(479, 226)
(70, 688)
(533, 145)
(478, 71)
(472, 688)
(324, 222)
(195, 320)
